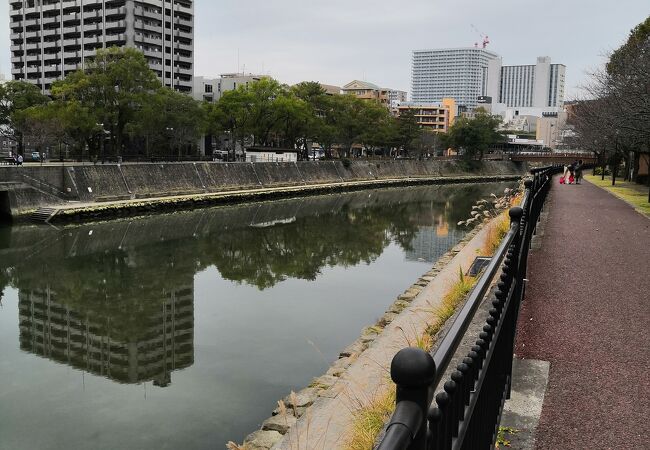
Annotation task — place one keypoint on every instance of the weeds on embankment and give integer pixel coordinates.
(369, 420)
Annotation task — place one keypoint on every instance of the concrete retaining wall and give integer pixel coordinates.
(101, 183)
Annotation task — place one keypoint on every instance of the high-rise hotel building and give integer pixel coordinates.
(539, 85)
(463, 74)
(467, 73)
(51, 38)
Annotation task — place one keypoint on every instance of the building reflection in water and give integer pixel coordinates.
(97, 345)
(434, 236)
(428, 245)
(116, 299)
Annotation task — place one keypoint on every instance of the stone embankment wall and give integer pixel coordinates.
(274, 432)
(36, 186)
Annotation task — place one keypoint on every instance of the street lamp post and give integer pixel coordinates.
(102, 140)
(171, 132)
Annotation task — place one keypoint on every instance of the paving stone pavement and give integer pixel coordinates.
(587, 312)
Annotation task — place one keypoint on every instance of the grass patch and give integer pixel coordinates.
(503, 436)
(634, 194)
(369, 421)
(454, 296)
(496, 230)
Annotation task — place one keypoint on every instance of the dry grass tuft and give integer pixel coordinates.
(454, 296)
(369, 421)
(496, 230)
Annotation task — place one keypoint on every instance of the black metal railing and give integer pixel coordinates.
(465, 414)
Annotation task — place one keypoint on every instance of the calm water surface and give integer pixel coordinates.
(183, 330)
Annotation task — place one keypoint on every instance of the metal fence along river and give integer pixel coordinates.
(465, 414)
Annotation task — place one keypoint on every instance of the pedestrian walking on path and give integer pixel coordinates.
(589, 316)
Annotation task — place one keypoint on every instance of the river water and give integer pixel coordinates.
(183, 330)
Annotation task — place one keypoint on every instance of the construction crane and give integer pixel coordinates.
(486, 39)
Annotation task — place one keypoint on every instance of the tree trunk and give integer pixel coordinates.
(647, 180)
(21, 147)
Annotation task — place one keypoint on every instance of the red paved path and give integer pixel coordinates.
(587, 311)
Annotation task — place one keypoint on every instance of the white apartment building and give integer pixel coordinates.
(211, 89)
(460, 73)
(532, 86)
(395, 97)
(51, 38)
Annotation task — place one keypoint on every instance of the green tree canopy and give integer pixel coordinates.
(115, 86)
(15, 98)
(473, 137)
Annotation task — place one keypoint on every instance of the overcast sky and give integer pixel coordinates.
(336, 41)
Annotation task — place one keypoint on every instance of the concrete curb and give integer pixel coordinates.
(523, 410)
(84, 212)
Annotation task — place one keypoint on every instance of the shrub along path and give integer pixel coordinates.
(587, 311)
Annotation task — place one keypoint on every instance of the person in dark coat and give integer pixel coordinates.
(578, 171)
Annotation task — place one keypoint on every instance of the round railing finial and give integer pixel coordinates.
(412, 368)
(515, 213)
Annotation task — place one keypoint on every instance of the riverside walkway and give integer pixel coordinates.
(587, 312)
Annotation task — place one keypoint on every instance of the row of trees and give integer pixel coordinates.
(266, 113)
(614, 120)
(117, 104)
(118, 107)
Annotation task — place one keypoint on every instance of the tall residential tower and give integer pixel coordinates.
(51, 38)
(460, 73)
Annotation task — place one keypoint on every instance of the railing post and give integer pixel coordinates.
(413, 371)
(528, 184)
(510, 316)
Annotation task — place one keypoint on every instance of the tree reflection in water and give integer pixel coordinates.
(116, 298)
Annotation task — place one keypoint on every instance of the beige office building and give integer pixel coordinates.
(436, 117)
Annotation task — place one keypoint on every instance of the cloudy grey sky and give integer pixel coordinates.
(336, 41)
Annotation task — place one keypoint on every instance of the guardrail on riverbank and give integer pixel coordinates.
(467, 411)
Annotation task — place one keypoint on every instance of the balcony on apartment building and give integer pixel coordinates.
(33, 35)
(140, 25)
(51, 32)
(185, 34)
(139, 11)
(115, 39)
(71, 30)
(182, 46)
(183, 85)
(95, 27)
(155, 53)
(116, 25)
(157, 41)
(184, 21)
(187, 59)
